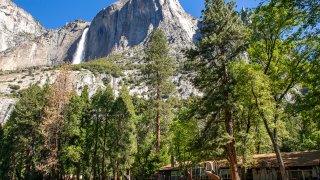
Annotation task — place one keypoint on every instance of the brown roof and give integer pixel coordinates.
(291, 159)
(176, 166)
(168, 168)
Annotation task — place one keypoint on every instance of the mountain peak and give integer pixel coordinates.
(123, 27)
(128, 23)
(16, 25)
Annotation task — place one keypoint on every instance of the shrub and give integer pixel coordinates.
(14, 87)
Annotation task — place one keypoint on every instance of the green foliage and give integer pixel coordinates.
(22, 141)
(267, 102)
(157, 73)
(183, 130)
(313, 141)
(283, 55)
(74, 133)
(224, 37)
(103, 65)
(123, 145)
(14, 87)
(159, 63)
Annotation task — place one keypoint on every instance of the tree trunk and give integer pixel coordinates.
(273, 140)
(190, 174)
(158, 131)
(129, 175)
(244, 157)
(158, 122)
(277, 151)
(104, 176)
(231, 149)
(78, 170)
(95, 149)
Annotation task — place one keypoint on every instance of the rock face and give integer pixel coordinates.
(128, 23)
(25, 43)
(51, 48)
(123, 27)
(11, 83)
(6, 108)
(16, 25)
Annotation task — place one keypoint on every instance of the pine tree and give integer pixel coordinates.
(108, 102)
(159, 68)
(122, 134)
(96, 130)
(21, 143)
(223, 39)
(73, 134)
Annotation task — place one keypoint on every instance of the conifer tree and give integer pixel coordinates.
(108, 102)
(21, 142)
(95, 131)
(74, 134)
(223, 39)
(122, 134)
(159, 68)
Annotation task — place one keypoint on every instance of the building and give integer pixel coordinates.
(299, 166)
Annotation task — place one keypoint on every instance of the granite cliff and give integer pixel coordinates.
(16, 25)
(128, 23)
(121, 28)
(51, 48)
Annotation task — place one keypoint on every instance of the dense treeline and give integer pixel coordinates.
(258, 72)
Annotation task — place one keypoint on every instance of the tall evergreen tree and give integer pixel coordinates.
(122, 134)
(159, 68)
(22, 141)
(108, 102)
(96, 131)
(74, 134)
(223, 39)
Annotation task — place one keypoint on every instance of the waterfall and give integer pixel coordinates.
(79, 55)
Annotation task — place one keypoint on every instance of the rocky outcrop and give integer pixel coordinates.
(51, 48)
(16, 25)
(6, 108)
(128, 23)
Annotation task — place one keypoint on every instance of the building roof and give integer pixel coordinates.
(176, 166)
(291, 159)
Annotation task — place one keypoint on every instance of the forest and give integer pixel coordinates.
(259, 77)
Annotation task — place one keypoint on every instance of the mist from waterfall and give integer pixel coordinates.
(79, 55)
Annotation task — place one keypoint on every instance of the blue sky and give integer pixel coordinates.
(55, 13)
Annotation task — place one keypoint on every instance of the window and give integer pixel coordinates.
(300, 174)
(225, 174)
(175, 175)
(307, 174)
(250, 174)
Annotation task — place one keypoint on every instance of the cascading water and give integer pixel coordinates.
(78, 56)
